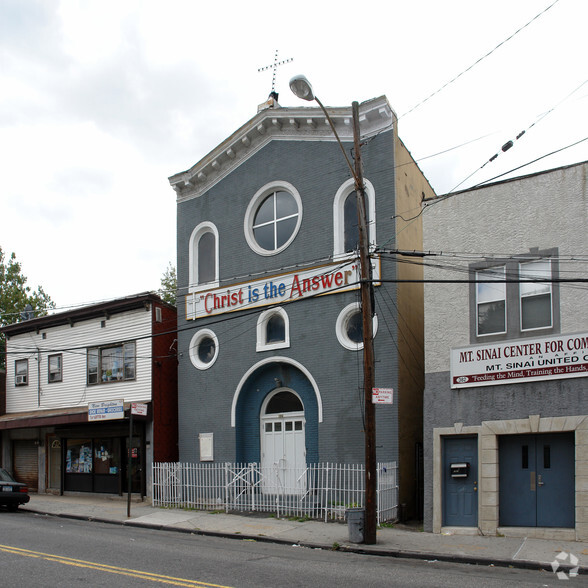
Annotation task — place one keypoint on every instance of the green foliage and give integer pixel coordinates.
(15, 295)
(301, 519)
(169, 285)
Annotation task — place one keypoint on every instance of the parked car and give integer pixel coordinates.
(12, 493)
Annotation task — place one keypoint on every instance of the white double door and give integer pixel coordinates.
(283, 453)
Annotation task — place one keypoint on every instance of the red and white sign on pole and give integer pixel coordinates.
(139, 408)
(382, 395)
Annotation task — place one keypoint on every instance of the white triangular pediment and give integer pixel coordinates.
(279, 124)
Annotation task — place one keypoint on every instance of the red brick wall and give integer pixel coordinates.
(165, 385)
(2, 392)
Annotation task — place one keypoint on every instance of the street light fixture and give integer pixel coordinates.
(302, 88)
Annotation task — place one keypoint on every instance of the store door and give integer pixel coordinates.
(54, 464)
(460, 481)
(26, 463)
(537, 480)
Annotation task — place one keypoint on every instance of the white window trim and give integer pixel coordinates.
(201, 229)
(21, 379)
(264, 317)
(195, 342)
(49, 357)
(342, 331)
(339, 216)
(254, 205)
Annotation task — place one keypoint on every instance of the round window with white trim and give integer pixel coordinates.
(273, 218)
(203, 349)
(349, 327)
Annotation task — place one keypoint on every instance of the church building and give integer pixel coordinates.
(269, 322)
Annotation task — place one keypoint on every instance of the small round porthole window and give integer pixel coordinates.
(203, 349)
(350, 327)
(273, 218)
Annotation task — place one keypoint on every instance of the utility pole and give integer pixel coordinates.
(371, 507)
(301, 87)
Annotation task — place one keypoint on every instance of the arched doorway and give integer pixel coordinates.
(283, 442)
(252, 396)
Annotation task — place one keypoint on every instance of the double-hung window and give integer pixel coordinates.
(55, 368)
(536, 299)
(491, 301)
(21, 372)
(516, 298)
(114, 363)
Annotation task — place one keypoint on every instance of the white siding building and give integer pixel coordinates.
(60, 366)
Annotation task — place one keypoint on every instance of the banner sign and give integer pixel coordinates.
(326, 279)
(523, 360)
(106, 411)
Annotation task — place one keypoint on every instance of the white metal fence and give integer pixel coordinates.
(319, 491)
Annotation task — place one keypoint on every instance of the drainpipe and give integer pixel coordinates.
(38, 377)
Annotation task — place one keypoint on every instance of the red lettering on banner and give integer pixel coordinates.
(483, 354)
(295, 287)
(327, 280)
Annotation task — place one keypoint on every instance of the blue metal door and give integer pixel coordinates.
(460, 492)
(537, 480)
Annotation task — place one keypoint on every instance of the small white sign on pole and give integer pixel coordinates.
(382, 395)
(106, 411)
(139, 408)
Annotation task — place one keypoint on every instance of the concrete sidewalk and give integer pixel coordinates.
(399, 541)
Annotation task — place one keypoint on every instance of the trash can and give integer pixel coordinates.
(355, 524)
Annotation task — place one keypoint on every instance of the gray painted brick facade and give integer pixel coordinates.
(317, 170)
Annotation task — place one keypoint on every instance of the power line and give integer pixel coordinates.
(510, 143)
(528, 163)
(477, 61)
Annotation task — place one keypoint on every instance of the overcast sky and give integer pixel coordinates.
(101, 101)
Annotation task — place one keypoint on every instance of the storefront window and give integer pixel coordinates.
(79, 456)
(106, 456)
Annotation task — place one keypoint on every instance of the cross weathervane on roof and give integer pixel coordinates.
(275, 66)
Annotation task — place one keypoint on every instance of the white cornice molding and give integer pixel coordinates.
(279, 124)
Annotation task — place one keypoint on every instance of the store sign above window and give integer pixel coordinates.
(280, 289)
(523, 360)
(106, 411)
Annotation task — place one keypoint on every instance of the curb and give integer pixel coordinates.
(394, 553)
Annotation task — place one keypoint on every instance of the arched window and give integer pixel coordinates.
(350, 225)
(203, 262)
(346, 231)
(284, 401)
(273, 330)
